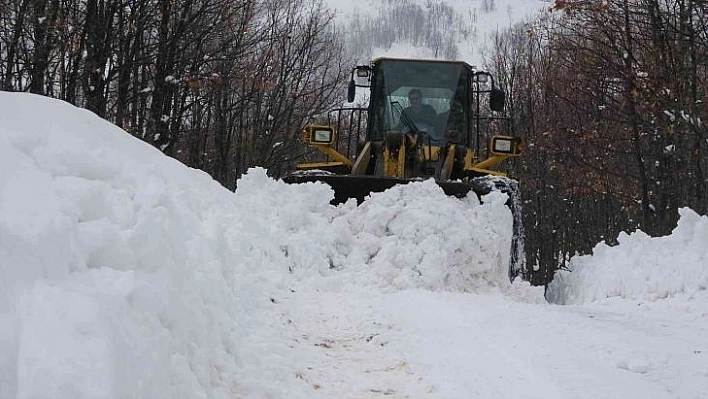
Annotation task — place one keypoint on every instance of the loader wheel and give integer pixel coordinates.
(484, 185)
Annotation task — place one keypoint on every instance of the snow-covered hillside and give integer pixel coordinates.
(445, 29)
(125, 274)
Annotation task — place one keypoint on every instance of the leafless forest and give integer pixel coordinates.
(609, 96)
(219, 84)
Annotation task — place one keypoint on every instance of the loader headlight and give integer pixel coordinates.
(363, 71)
(318, 134)
(502, 145)
(505, 145)
(322, 136)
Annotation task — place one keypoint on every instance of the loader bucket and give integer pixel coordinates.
(359, 187)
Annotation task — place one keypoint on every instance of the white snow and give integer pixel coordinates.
(485, 18)
(645, 270)
(125, 274)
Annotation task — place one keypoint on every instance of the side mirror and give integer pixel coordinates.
(497, 98)
(351, 91)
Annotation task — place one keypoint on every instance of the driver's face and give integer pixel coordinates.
(415, 100)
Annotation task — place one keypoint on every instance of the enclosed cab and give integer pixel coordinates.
(449, 93)
(447, 87)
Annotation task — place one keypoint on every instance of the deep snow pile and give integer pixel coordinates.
(411, 236)
(105, 261)
(641, 268)
(124, 273)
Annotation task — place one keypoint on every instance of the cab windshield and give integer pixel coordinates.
(423, 96)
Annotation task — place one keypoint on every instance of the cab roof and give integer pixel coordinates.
(378, 60)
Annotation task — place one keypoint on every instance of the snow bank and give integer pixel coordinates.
(104, 275)
(641, 267)
(124, 273)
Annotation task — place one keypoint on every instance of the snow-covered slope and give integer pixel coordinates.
(446, 29)
(125, 274)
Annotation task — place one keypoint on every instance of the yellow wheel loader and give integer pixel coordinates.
(422, 121)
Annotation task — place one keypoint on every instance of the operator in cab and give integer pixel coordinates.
(418, 112)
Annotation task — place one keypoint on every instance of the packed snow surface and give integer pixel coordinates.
(125, 274)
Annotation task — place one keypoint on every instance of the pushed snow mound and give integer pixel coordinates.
(414, 236)
(410, 236)
(641, 267)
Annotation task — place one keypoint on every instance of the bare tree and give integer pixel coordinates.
(609, 97)
(220, 84)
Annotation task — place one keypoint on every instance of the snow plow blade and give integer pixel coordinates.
(346, 187)
(359, 187)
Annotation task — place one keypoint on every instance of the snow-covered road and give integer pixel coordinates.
(416, 344)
